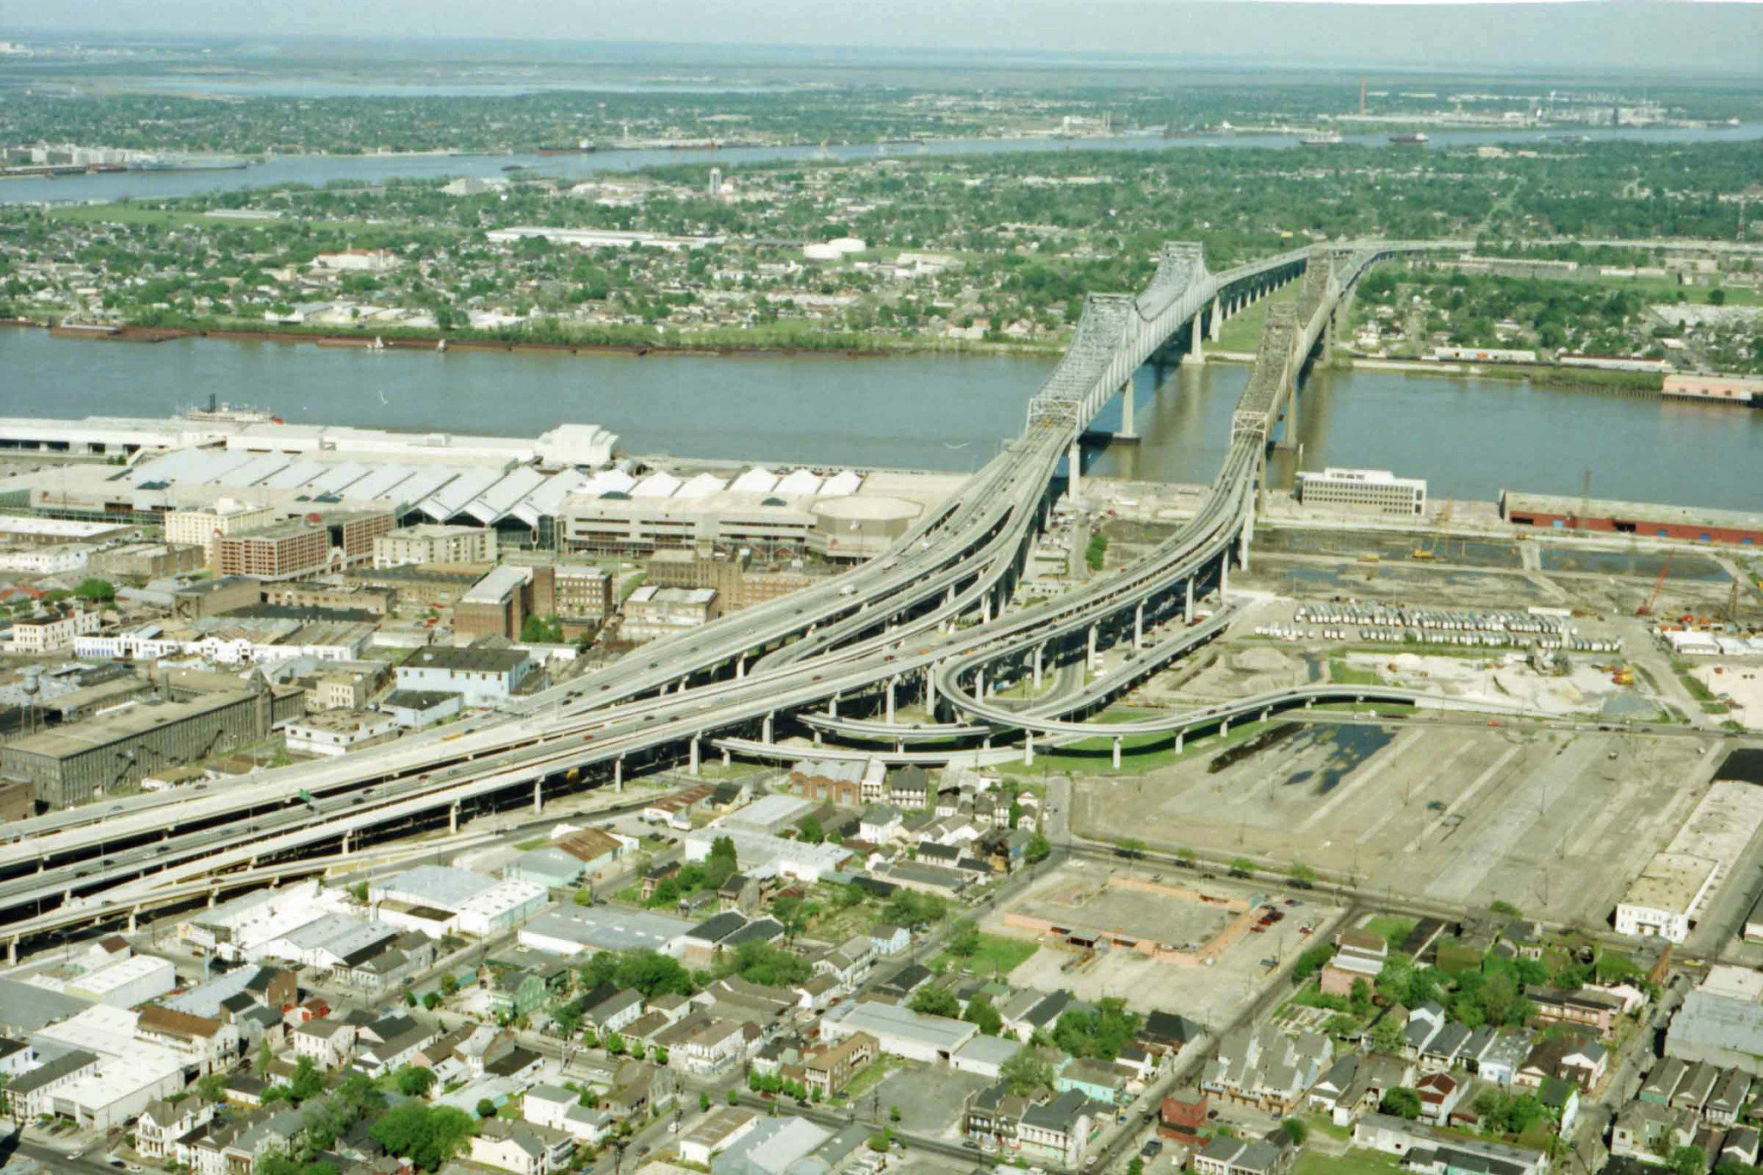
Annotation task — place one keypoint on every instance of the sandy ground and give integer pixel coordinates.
(1501, 677)
(1555, 822)
(1742, 682)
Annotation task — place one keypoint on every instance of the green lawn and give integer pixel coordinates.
(1354, 1162)
(1392, 928)
(997, 955)
(1342, 673)
(1243, 333)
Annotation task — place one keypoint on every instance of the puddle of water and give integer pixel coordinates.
(1351, 747)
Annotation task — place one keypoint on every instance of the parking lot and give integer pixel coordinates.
(932, 1099)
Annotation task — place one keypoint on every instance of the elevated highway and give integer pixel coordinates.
(885, 625)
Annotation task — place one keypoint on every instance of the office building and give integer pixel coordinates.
(201, 526)
(435, 543)
(651, 612)
(287, 551)
(1370, 491)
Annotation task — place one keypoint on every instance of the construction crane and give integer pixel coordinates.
(1431, 549)
(1646, 609)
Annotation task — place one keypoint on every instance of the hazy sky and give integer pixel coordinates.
(1706, 35)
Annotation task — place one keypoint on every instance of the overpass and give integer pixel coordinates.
(846, 638)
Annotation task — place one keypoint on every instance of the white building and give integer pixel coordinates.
(1372, 491)
(1663, 899)
(435, 543)
(52, 630)
(653, 612)
(504, 905)
(128, 982)
(45, 560)
(899, 1030)
(482, 677)
(337, 732)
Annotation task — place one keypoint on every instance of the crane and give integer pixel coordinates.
(1646, 609)
(1431, 549)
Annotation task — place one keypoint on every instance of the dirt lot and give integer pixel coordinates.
(1210, 994)
(1553, 822)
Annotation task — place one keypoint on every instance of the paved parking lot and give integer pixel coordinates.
(931, 1099)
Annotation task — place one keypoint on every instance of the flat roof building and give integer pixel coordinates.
(899, 1030)
(1664, 897)
(1372, 491)
(569, 930)
(430, 542)
(483, 677)
(285, 551)
(1646, 519)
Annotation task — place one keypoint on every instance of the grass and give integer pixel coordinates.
(870, 1076)
(1243, 333)
(1342, 673)
(997, 955)
(1392, 928)
(537, 842)
(1354, 1162)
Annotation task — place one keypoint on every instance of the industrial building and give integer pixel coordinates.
(653, 612)
(74, 764)
(285, 551)
(1648, 520)
(899, 1030)
(581, 594)
(496, 605)
(1373, 491)
(337, 732)
(424, 584)
(569, 930)
(430, 542)
(482, 677)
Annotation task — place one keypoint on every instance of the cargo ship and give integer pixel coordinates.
(1416, 139)
(1322, 139)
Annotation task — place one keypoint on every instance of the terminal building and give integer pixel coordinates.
(1371, 491)
(1647, 520)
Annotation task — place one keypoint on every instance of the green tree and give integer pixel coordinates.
(1311, 961)
(893, 1113)
(426, 1135)
(95, 589)
(763, 963)
(982, 1013)
(486, 1108)
(1401, 1102)
(703, 1101)
(963, 940)
(1303, 876)
(414, 1080)
(935, 1001)
(1131, 848)
(1295, 1130)
(1028, 1071)
(305, 1082)
(1386, 1035)
(1242, 867)
(1689, 1160)
(810, 832)
(734, 1097)
(1039, 848)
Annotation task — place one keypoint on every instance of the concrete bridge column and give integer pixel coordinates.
(817, 736)
(694, 761)
(1217, 324)
(1196, 340)
(979, 684)
(1117, 752)
(452, 827)
(1090, 657)
(1179, 736)
(1243, 548)
(741, 665)
(1223, 577)
(1266, 713)
(1224, 728)
(618, 774)
(1138, 626)
(899, 746)
(213, 894)
(1188, 603)
(985, 608)
(1126, 423)
(132, 916)
(1309, 702)
(986, 743)
(930, 691)
(1038, 649)
(538, 796)
(832, 706)
(726, 756)
(12, 949)
(890, 695)
(1028, 748)
(347, 837)
(1074, 482)
(765, 729)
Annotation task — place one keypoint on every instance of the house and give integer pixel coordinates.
(1218, 1155)
(1740, 1146)
(879, 823)
(1729, 1099)
(521, 1147)
(328, 1042)
(1696, 1088)
(1584, 1008)
(1500, 1060)
(849, 963)
(1326, 1094)
(1182, 1119)
(162, 1124)
(1359, 956)
(1103, 1082)
(739, 893)
(1441, 1053)
(1439, 1095)
(888, 939)
(390, 1043)
(639, 1089)
(1578, 1058)
(1561, 1097)
(1164, 1033)
(825, 1070)
(1424, 1023)
(1059, 1129)
(715, 1133)
(613, 1013)
(1644, 1130)
(557, 1108)
(909, 787)
(1374, 1076)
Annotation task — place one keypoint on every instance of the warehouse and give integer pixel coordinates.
(127, 982)
(569, 930)
(899, 1030)
(482, 677)
(1645, 519)
(76, 764)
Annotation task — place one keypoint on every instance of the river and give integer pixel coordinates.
(318, 170)
(1470, 438)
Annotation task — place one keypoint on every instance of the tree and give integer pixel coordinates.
(1386, 1035)
(99, 590)
(1295, 1130)
(1311, 961)
(1027, 1071)
(915, 910)
(1716, 297)
(1242, 867)
(426, 1135)
(935, 1001)
(486, 1108)
(763, 963)
(414, 1080)
(431, 1000)
(1303, 876)
(982, 1013)
(1100, 1032)
(893, 1113)
(1135, 1166)
(703, 1101)
(1690, 1160)
(722, 862)
(1131, 848)
(305, 1082)
(964, 940)
(1402, 1102)
(211, 1086)
(1039, 848)
(734, 1098)
(1186, 856)
(809, 831)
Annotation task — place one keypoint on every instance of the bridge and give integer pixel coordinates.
(862, 638)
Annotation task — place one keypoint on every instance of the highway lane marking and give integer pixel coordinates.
(1342, 791)
(1395, 810)
(1462, 801)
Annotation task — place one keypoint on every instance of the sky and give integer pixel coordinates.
(1690, 36)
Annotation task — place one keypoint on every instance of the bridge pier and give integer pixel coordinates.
(1090, 656)
(890, 697)
(538, 796)
(1117, 752)
(1028, 748)
(618, 774)
(1224, 728)
(1243, 548)
(832, 706)
(740, 668)
(694, 766)
(1127, 431)
(1196, 341)
(985, 609)
(930, 691)
(12, 950)
(1074, 482)
(726, 756)
(1217, 323)
(765, 729)
(133, 913)
(1138, 626)
(1223, 577)
(452, 828)
(979, 683)
(1308, 702)
(1179, 737)
(1188, 607)
(1038, 649)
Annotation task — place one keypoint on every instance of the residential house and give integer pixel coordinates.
(1561, 1098)
(1059, 1129)
(849, 963)
(1375, 1075)
(1165, 1033)
(1103, 1082)
(520, 1147)
(1644, 1130)
(1359, 956)
(889, 940)
(328, 1042)
(739, 894)
(1696, 1088)
(1441, 1053)
(1424, 1023)
(1439, 1094)
(1425, 1149)
(1731, 1095)
(161, 1125)
(556, 1108)
(1739, 1146)
(715, 1133)
(879, 823)
(1578, 1058)
(826, 1070)
(614, 1013)
(1584, 1008)
(1498, 1063)
(1663, 1081)
(909, 787)
(1182, 1119)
